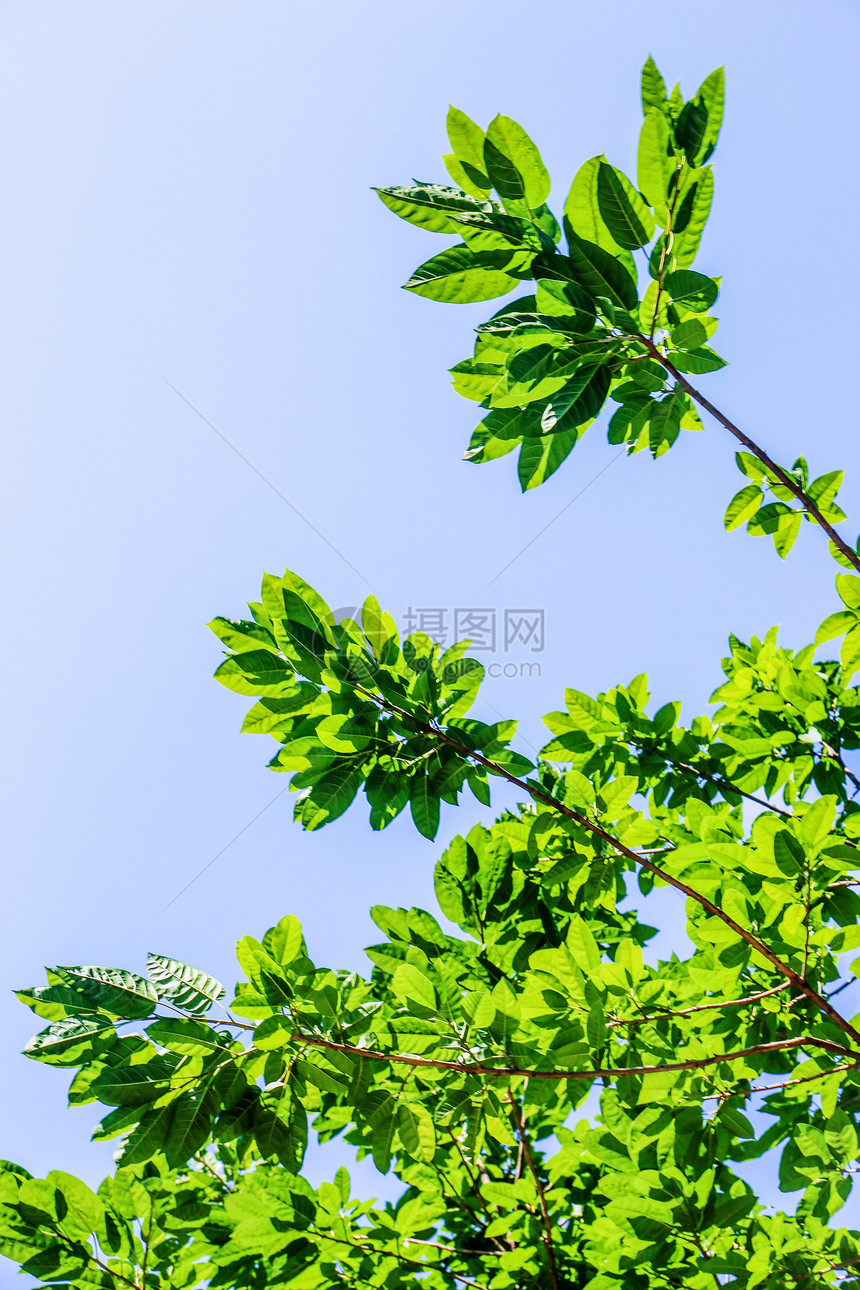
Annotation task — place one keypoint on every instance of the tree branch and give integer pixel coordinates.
(599, 1072)
(393, 1254)
(724, 785)
(547, 1225)
(539, 795)
(699, 1007)
(784, 478)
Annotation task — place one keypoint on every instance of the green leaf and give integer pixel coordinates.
(467, 141)
(786, 533)
(583, 216)
(84, 1212)
(656, 163)
(514, 164)
(67, 1039)
(566, 301)
(848, 588)
(582, 945)
(823, 490)
(186, 1036)
(415, 1126)
(149, 1138)
(653, 87)
(700, 120)
(540, 458)
(134, 1085)
(691, 218)
(182, 985)
(461, 276)
(122, 993)
(424, 805)
(597, 271)
(193, 1114)
(743, 506)
(665, 423)
(330, 796)
(835, 625)
(381, 1140)
(432, 206)
(536, 373)
(281, 1128)
(696, 361)
(624, 212)
(285, 942)
(414, 989)
(691, 292)
(257, 672)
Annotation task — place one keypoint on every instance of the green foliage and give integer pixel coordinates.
(462, 1060)
(531, 361)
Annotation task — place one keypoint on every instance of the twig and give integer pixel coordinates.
(784, 478)
(539, 795)
(547, 1225)
(393, 1254)
(699, 1007)
(600, 1072)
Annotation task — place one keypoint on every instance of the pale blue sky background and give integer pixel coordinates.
(186, 195)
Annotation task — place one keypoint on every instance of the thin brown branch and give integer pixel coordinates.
(599, 1072)
(539, 795)
(724, 785)
(394, 1254)
(784, 478)
(770, 1088)
(699, 1007)
(201, 1159)
(466, 1254)
(547, 1224)
(118, 1276)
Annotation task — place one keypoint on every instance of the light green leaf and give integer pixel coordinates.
(582, 213)
(653, 87)
(743, 506)
(257, 672)
(414, 989)
(462, 276)
(415, 1125)
(655, 162)
(848, 587)
(84, 1211)
(524, 177)
(467, 141)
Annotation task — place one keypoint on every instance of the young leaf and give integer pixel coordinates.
(653, 87)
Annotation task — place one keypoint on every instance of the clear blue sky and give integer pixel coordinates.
(186, 196)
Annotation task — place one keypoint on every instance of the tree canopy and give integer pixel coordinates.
(463, 1056)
